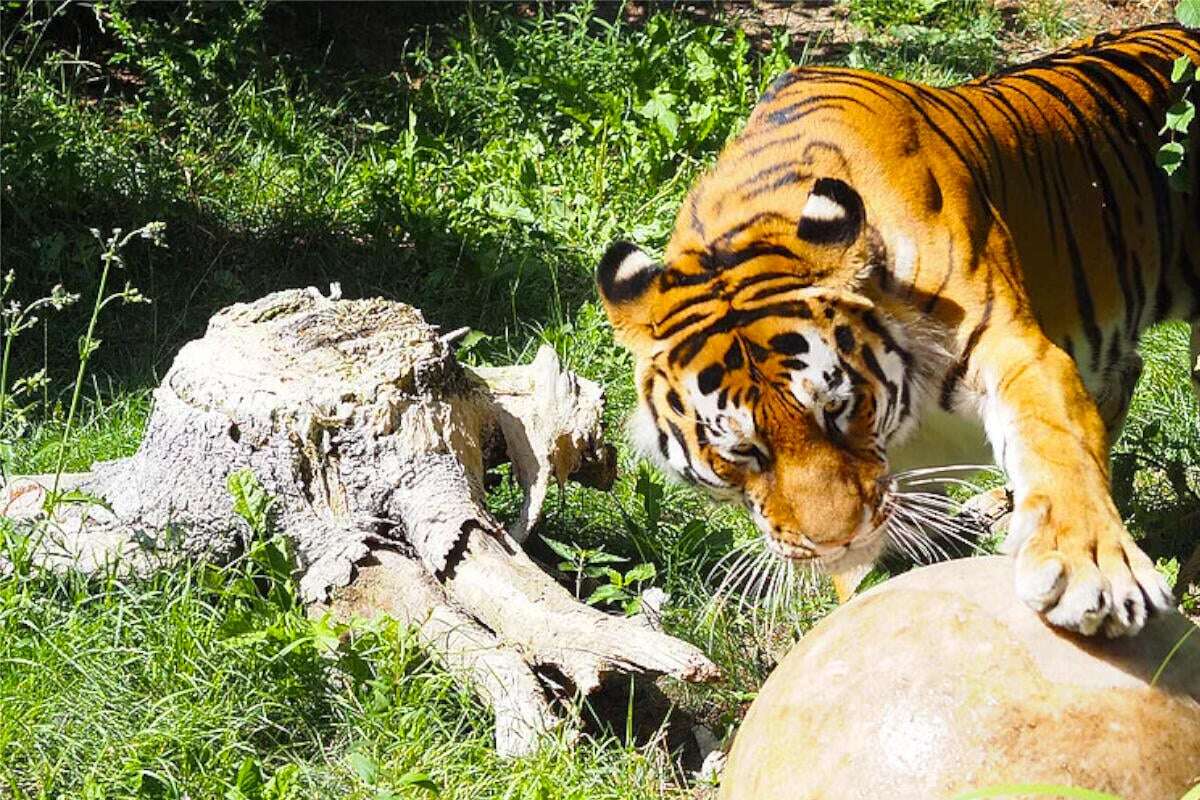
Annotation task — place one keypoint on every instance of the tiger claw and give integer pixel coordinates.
(1082, 580)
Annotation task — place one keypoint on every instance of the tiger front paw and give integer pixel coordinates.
(1082, 571)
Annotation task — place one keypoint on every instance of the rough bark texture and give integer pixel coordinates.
(374, 440)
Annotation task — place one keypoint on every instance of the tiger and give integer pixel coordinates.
(877, 272)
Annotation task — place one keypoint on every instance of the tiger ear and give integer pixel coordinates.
(628, 281)
(833, 214)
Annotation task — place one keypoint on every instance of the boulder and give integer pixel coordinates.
(940, 682)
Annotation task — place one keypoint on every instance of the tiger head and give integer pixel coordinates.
(767, 376)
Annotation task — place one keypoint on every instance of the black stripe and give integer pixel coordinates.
(802, 108)
(779, 183)
(1111, 209)
(748, 223)
(959, 370)
(875, 369)
(890, 344)
(780, 83)
(722, 260)
(765, 173)
(683, 352)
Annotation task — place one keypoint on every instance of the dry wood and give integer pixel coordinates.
(374, 440)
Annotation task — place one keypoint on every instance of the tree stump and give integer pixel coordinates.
(355, 415)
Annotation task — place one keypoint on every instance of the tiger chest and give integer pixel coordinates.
(942, 438)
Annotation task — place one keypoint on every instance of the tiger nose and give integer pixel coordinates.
(832, 521)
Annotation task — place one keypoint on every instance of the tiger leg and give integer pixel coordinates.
(1075, 562)
(1114, 399)
(993, 508)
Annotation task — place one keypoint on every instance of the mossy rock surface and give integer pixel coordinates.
(940, 682)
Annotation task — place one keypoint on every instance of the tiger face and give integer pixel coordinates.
(765, 389)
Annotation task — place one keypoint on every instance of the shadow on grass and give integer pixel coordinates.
(54, 192)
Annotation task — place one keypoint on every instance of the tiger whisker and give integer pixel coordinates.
(966, 535)
(738, 550)
(761, 569)
(933, 510)
(743, 556)
(771, 597)
(744, 577)
(736, 572)
(898, 533)
(966, 525)
(947, 481)
(920, 537)
(949, 469)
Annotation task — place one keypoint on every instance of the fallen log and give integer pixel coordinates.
(374, 441)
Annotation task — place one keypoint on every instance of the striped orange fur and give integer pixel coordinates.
(873, 262)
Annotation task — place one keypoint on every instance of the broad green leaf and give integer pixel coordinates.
(1188, 13)
(606, 593)
(613, 576)
(600, 557)
(1170, 156)
(651, 493)
(668, 124)
(249, 782)
(469, 341)
(280, 786)
(1180, 116)
(250, 500)
(1180, 68)
(78, 496)
(660, 109)
(642, 572)
(562, 550)
(326, 636)
(373, 127)
(512, 209)
(364, 767)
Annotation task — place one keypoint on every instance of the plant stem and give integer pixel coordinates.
(85, 352)
(3, 397)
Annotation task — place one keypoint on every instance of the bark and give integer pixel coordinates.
(357, 418)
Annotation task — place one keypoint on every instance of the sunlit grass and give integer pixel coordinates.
(475, 164)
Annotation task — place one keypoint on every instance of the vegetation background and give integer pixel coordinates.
(472, 160)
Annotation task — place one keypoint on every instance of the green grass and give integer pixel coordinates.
(472, 161)
(938, 42)
(1050, 21)
(168, 687)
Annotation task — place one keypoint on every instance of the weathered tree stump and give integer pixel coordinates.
(374, 440)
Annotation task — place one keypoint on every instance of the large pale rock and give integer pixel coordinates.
(940, 681)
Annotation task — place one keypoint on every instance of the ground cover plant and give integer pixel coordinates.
(473, 161)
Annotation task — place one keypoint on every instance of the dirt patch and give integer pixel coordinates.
(1084, 18)
(820, 30)
(1098, 15)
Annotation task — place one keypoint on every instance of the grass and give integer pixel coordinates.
(473, 161)
(940, 42)
(171, 687)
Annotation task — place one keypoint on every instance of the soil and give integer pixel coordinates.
(821, 30)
